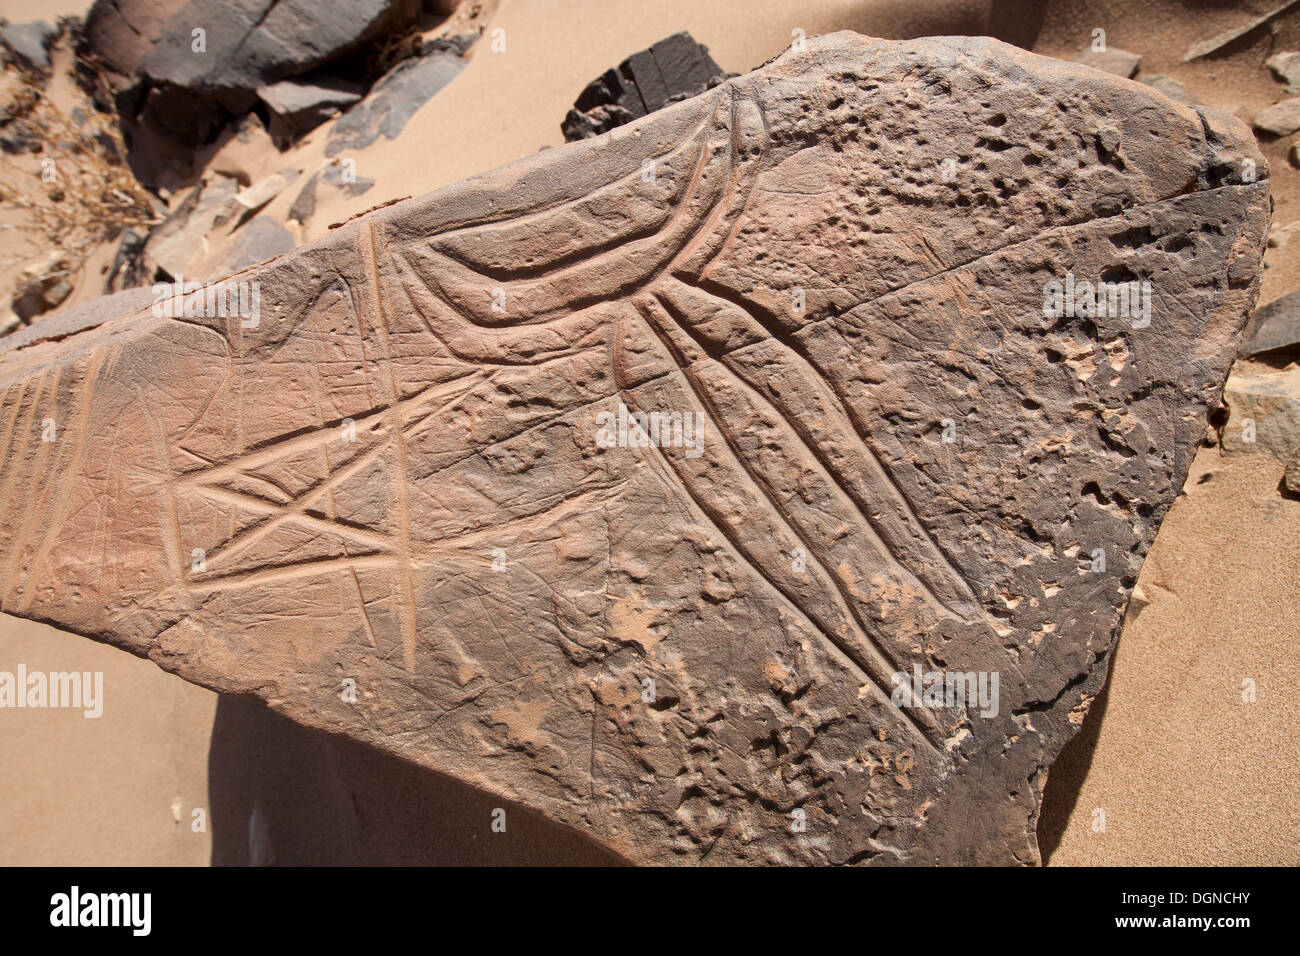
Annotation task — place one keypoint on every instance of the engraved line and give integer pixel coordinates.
(400, 475)
(955, 578)
(917, 723)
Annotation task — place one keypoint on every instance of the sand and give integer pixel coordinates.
(1185, 771)
(100, 791)
(22, 11)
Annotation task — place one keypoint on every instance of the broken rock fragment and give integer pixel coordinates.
(252, 43)
(1263, 413)
(1286, 67)
(1112, 60)
(336, 175)
(1275, 326)
(1168, 86)
(1291, 476)
(182, 236)
(261, 239)
(29, 43)
(393, 100)
(257, 195)
(675, 68)
(1217, 42)
(1280, 119)
(302, 106)
(762, 482)
(187, 67)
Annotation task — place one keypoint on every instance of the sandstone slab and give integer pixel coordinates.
(885, 436)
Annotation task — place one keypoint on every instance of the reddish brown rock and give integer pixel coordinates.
(408, 476)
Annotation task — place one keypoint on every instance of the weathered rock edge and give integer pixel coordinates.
(476, 431)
